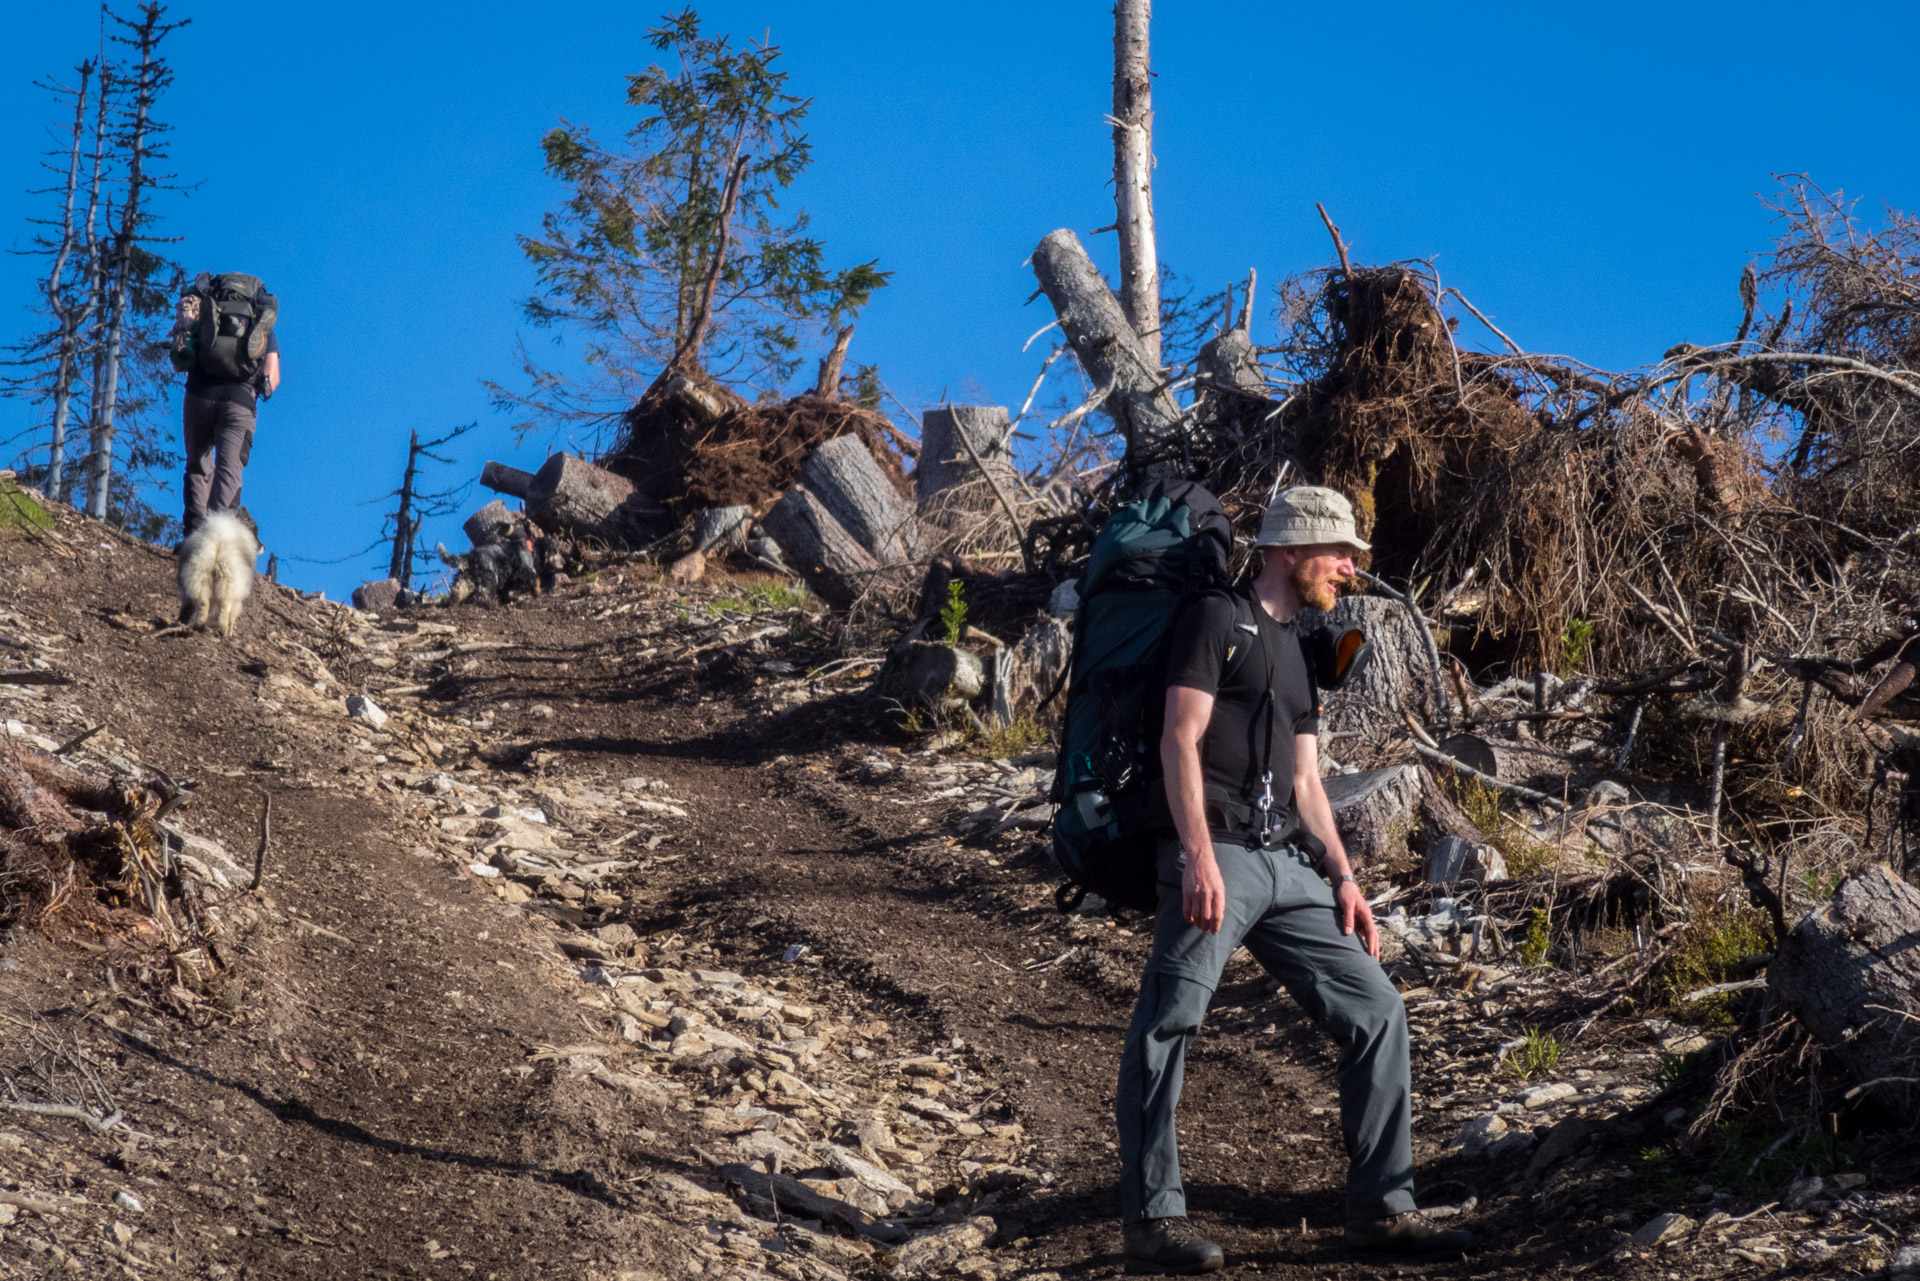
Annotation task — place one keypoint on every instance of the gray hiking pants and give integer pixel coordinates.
(1281, 909)
(218, 437)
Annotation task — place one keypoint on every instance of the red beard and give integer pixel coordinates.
(1320, 594)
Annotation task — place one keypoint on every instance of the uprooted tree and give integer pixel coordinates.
(671, 256)
(1712, 563)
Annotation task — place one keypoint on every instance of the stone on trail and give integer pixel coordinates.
(933, 1253)
(1663, 1228)
(1562, 1141)
(362, 708)
(377, 596)
(1542, 1095)
(1477, 1135)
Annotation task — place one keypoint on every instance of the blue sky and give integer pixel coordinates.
(1586, 174)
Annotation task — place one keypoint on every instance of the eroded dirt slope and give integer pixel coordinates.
(621, 949)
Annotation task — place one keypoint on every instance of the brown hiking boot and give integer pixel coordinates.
(1169, 1246)
(1409, 1233)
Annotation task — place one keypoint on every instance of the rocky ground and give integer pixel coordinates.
(608, 935)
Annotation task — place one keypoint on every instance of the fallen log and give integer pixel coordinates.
(818, 546)
(572, 494)
(1851, 974)
(863, 498)
(722, 529)
(1109, 350)
(503, 479)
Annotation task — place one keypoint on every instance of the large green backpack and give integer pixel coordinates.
(1151, 558)
(229, 337)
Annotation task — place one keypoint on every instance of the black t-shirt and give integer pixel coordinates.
(1212, 651)
(207, 387)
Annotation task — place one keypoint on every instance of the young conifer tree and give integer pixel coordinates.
(672, 250)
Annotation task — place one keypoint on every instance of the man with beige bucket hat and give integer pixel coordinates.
(1254, 859)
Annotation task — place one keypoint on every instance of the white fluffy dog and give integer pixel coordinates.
(216, 572)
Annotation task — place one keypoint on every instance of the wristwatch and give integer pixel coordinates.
(1346, 876)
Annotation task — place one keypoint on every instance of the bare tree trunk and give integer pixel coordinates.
(1133, 174)
(400, 567)
(688, 356)
(63, 306)
(828, 386)
(1109, 350)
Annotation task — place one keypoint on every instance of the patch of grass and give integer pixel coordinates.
(1755, 1158)
(953, 614)
(1523, 855)
(1820, 886)
(1540, 1053)
(1014, 739)
(1539, 939)
(762, 595)
(19, 509)
(1709, 951)
(1576, 642)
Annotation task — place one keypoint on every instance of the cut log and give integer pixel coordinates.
(1230, 388)
(818, 546)
(1850, 972)
(722, 529)
(944, 463)
(1375, 812)
(491, 523)
(503, 479)
(1108, 350)
(863, 498)
(923, 674)
(571, 495)
(1000, 686)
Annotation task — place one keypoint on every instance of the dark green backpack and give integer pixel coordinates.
(1150, 559)
(229, 337)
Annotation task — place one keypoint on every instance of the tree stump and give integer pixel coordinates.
(818, 546)
(1850, 972)
(1375, 811)
(864, 499)
(1039, 658)
(944, 463)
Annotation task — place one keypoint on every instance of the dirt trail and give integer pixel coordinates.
(423, 1068)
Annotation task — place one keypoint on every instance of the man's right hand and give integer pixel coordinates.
(1203, 896)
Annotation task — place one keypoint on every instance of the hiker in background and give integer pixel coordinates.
(1255, 838)
(224, 340)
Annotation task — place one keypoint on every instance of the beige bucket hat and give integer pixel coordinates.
(1306, 515)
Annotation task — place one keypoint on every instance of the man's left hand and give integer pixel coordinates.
(1350, 905)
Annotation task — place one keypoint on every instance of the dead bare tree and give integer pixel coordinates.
(1132, 122)
(128, 262)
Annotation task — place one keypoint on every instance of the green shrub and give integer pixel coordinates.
(1539, 940)
(953, 614)
(1576, 642)
(1014, 738)
(1709, 951)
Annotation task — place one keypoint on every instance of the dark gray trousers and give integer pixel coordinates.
(219, 437)
(1281, 909)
